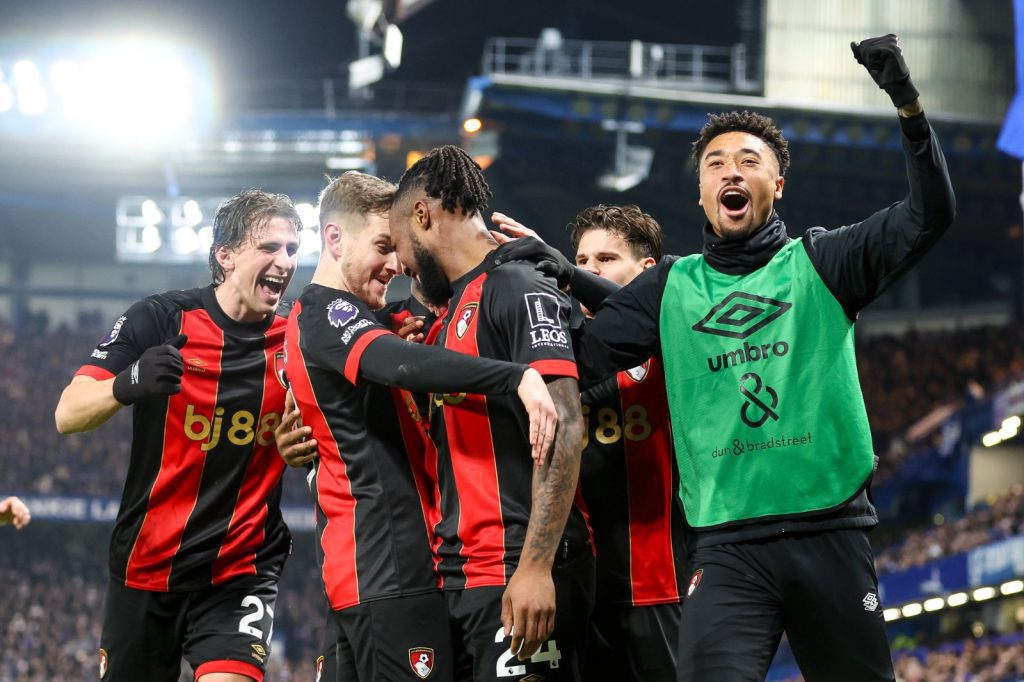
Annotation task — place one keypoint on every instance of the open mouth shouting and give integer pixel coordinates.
(272, 286)
(734, 202)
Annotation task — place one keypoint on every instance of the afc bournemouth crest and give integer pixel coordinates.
(694, 581)
(421, 659)
(104, 663)
(465, 319)
(279, 362)
(639, 373)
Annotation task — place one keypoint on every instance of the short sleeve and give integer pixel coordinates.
(531, 316)
(149, 322)
(335, 334)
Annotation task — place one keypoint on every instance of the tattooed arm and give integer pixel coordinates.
(528, 605)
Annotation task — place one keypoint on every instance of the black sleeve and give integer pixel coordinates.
(345, 336)
(146, 324)
(858, 262)
(590, 289)
(625, 332)
(393, 361)
(530, 315)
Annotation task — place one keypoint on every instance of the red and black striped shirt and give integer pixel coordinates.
(629, 481)
(373, 541)
(509, 312)
(201, 502)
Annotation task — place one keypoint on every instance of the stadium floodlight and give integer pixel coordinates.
(307, 214)
(957, 599)
(151, 238)
(1011, 587)
(983, 593)
(191, 212)
(1012, 423)
(393, 46)
(205, 234)
(151, 213)
(934, 604)
(992, 438)
(472, 125)
(6, 97)
(32, 99)
(912, 609)
(185, 240)
(309, 242)
(891, 615)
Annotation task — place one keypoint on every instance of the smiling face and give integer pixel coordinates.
(739, 183)
(257, 273)
(368, 258)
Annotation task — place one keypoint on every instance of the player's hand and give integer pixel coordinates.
(157, 372)
(883, 59)
(13, 510)
(510, 229)
(290, 436)
(547, 259)
(528, 610)
(412, 329)
(543, 414)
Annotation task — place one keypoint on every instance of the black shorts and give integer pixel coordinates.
(221, 629)
(326, 665)
(477, 629)
(633, 642)
(402, 638)
(820, 588)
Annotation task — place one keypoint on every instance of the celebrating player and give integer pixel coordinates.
(511, 544)
(772, 440)
(373, 541)
(199, 542)
(628, 475)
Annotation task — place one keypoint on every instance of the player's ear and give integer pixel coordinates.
(779, 182)
(331, 234)
(647, 262)
(421, 215)
(225, 258)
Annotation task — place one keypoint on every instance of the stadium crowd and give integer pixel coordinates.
(990, 521)
(50, 622)
(903, 379)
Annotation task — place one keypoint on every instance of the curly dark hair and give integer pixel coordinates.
(633, 226)
(450, 174)
(240, 219)
(743, 122)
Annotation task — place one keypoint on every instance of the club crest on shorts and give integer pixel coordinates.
(421, 660)
(639, 373)
(340, 312)
(319, 667)
(694, 581)
(104, 663)
(465, 319)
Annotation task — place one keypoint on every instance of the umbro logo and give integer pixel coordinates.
(740, 314)
(870, 601)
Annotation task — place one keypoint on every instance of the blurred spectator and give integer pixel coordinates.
(996, 519)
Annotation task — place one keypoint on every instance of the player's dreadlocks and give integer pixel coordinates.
(451, 175)
(743, 122)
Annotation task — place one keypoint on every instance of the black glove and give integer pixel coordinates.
(157, 372)
(884, 61)
(545, 258)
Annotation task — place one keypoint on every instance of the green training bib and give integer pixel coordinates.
(767, 413)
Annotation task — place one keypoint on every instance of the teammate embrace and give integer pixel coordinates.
(454, 538)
